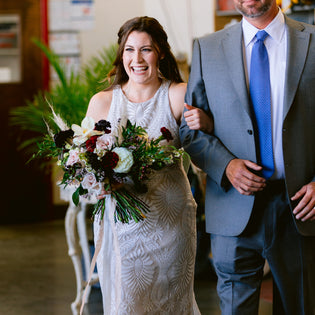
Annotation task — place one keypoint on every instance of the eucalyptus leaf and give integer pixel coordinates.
(76, 196)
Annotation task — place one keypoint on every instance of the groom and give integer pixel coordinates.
(253, 215)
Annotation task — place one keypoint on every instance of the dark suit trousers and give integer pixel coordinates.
(270, 234)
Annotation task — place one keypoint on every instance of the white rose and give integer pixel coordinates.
(125, 160)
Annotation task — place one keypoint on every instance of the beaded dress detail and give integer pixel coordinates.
(148, 267)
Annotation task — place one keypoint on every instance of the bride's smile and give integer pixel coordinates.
(140, 59)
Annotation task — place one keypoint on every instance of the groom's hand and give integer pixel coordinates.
(240, 174)
(305, 209)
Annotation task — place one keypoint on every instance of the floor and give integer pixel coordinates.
(37, 276)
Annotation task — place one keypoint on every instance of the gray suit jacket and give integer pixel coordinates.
(217, 85)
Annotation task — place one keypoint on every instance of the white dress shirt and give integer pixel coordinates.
(276, 45)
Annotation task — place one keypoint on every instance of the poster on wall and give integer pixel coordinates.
(70, 64)
(10, 48)
(59, 18)
(82, 14)
(71, 15)
(66, 45)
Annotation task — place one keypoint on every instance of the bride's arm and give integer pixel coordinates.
(99, 105)
(196, 118)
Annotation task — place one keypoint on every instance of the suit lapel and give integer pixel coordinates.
(232, 46)
(297, 47)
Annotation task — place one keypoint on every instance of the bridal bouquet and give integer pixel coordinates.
(96, 162)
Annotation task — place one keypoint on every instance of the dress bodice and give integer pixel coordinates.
(152, 114)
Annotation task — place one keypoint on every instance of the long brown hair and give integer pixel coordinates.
(167, 65)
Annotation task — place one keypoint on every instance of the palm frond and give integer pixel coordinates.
(54, 61)
(69, 97)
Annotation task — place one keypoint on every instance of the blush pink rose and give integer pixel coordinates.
(89, 182)
(104, 142)
(73, 157)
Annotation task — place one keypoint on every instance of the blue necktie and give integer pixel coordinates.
(259, 89)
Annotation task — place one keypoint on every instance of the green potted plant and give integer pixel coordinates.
(68, 96)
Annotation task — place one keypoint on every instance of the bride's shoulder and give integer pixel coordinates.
(102, 98)
(99, 105)
(178, 89)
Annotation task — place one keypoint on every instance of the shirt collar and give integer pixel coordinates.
(275, 29)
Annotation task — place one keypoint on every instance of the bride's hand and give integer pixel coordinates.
(197, 119)
(103, 193)
(108, 191)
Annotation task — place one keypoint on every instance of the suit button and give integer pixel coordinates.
(250, 132)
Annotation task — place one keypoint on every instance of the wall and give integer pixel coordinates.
(109, 16)
(182, 19)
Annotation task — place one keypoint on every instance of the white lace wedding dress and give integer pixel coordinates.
(148, 267)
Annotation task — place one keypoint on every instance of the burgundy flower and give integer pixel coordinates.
(110, 160)
(62, 137)
(93, 160)
(90, 144)
(103, 125)
(166, 134)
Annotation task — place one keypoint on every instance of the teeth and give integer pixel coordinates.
(139, 68)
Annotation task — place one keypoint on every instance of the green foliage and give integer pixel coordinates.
(69, 97)
(78, 192)
(131, 133)
(47, 148)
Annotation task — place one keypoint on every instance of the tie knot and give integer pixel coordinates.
(261, 35)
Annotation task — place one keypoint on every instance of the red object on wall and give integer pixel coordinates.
(226, 5)
(44, 39)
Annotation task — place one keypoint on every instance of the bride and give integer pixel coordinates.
(148, 267)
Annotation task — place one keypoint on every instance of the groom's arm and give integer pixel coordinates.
(206, 151)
